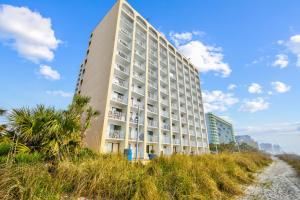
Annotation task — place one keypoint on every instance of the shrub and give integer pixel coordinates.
(4, 149)
(28, 157)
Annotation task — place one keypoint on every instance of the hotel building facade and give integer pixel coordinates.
(220, 131)
(147, 93)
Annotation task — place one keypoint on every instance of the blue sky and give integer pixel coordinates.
(248, 52)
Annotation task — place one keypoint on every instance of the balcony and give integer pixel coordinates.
(124, 56)
(164, 90)
(153, 85)
(165, 126)
(141, 34)
(139, 66)
(139, 77)
(127, 24)
(174, 95)
(117, 115)
(124, 43)
(119, 98)
(175, 129)
(152, 96)
(176, 141)
(135, 120)
(185, 142)
(152, 123)
(165, 102)
(163, 69)
(137, 90)
(166, 140)
(121, 68)
(175, 117)
(140, 55)
(184, 130)
(140, 44)
(152, 109)
(137, 104)
(165, 113)
(115, 134)
(152, 138)
(120, 82)
(193, 143)
(164, 80)
(133, 136)
(192, 132)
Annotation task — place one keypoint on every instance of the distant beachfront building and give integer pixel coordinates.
(219, 130)
(267, 147)
(240, 139)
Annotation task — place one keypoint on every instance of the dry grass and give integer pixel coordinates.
(112, 177)
(293, 160)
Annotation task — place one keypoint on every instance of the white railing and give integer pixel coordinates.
(152, 109)
(115, 134)
(152, 138)
(166, 126)
(138, 90)
(119, 98)
(120, 82)
(122, 68)
(176, 141)
(152, 123)
(117, 115)
(166, 140)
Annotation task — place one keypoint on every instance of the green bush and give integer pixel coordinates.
(4, 149)
(28, 157)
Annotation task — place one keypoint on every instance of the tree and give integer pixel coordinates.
(55, 133)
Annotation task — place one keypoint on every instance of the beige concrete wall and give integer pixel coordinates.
(98, 72)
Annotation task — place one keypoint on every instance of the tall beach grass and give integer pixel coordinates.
(113, 177)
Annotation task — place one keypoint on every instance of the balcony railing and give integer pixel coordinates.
(175, 128)
(115, 134)
(152, 109)
(117, 115)
(119, 98)
(138, 90)
(138, 76)
(124, 43)
(166, 140)
(185, 142)
(164, 90)
(152, 138)
(141, 44)
(121, 68)
(135, 120)
(124, 56)
(140, 66)
(193, 143)
(120, 82)
(166, 126)
(165, 114)
(175, 117)
(176, 141)
(152, 123)
(133, 136)
(152, 96)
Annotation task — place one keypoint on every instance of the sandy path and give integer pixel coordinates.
(278, 181)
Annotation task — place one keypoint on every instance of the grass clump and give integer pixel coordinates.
(293, 160)
(93, 176)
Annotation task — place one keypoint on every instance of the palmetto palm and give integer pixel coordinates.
(2, 126)
(56, 133)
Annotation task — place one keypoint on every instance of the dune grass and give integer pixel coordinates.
(112, 177)
(293, 160)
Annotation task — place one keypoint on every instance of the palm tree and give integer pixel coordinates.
(55, 133)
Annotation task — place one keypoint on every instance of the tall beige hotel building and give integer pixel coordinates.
(148, 94)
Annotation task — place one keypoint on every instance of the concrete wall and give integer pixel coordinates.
(98, 72)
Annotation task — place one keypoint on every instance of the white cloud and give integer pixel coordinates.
(29, 33)
(204, 57)
(254, 105)
(232, 86)
(180, 38)
(280, 87)
(49, 73)
(60, 93)
(281, 61)
(293, 45)
(255, 88)
(217, 100)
